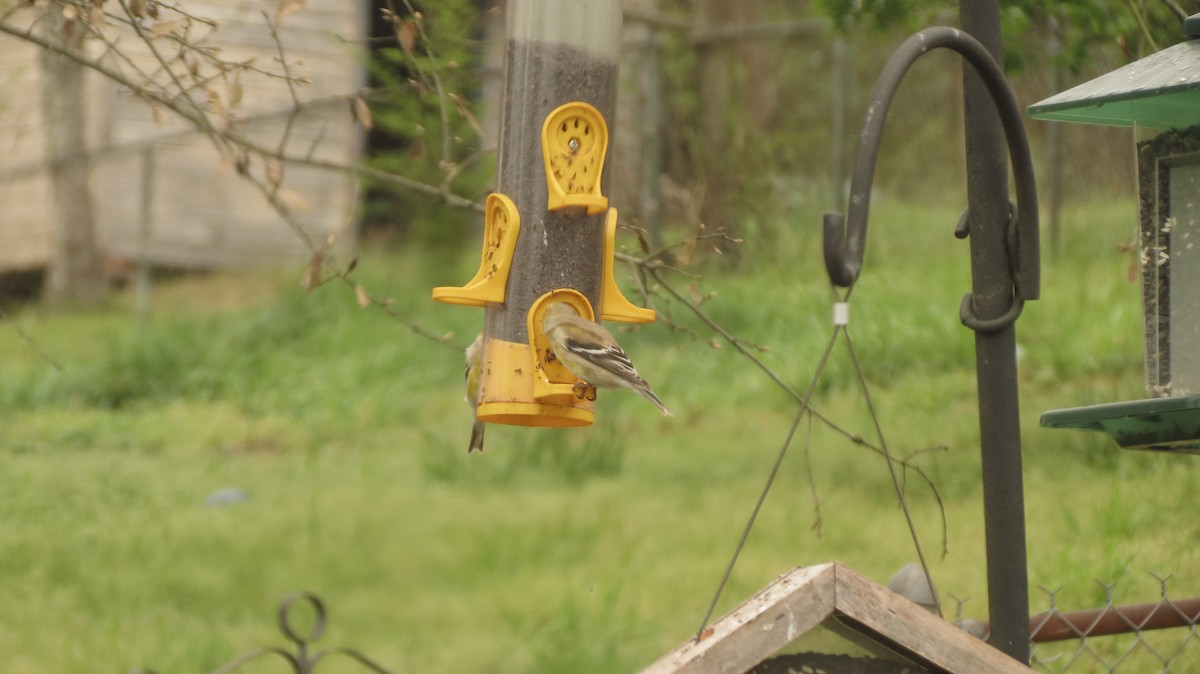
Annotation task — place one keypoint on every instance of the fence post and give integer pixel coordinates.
(145, 224)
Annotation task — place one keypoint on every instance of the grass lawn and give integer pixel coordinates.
(584, 550)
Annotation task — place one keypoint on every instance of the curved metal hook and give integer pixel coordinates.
(845, 236)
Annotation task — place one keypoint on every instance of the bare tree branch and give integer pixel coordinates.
(226, 139)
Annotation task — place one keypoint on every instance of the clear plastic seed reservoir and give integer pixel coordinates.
(559, 53)
(1169, 189)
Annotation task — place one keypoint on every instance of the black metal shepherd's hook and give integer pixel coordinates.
(846, 237)
(999, 289)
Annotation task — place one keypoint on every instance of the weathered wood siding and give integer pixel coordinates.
(24, 190)
(202, 214)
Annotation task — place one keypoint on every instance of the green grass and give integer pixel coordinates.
(589, 550)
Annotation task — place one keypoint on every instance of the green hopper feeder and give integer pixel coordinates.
(1159, 97)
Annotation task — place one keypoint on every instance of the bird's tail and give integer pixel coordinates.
(654, 399)
(476, 438)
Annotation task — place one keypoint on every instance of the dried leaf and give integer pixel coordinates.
(96, 16)
(361, 113)
(465, 111)
(137, 8)
(214, 102)
(69, 13)
(152, 9)
(642, 242)
(193, 66)
(351, 267)
(233, 91)
(312, 274)
(274, 169)
(242, 163)
(687, 251)
(285, 8)
(161, 28)
(714, 344)
(293, 200)
(360, 293)
(407, 33)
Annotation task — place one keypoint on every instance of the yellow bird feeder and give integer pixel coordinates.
(549, 233)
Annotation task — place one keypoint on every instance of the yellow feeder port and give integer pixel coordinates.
(574, 143)
(614, 306)
(502, 223)
(521, 386)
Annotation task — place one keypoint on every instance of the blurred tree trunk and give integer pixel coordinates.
(721, 116)
(75, 275)
(634, 176)
(739, 92)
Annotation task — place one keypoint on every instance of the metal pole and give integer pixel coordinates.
(995, 351)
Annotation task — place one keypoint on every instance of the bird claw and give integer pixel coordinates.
(584, 391)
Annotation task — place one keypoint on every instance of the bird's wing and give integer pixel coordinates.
(609, 358)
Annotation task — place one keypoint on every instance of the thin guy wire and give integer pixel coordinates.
(770, 480)
(812, 480)
(912, 529)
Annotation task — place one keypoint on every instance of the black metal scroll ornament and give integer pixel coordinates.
(298, 659)
(846, 236)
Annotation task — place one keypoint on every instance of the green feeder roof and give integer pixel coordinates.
(1160, 91)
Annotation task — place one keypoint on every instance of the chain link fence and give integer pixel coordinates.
(1154, 637)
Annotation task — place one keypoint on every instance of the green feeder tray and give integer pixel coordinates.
(1158, 424)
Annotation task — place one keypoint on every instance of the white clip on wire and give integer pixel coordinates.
(841, 314)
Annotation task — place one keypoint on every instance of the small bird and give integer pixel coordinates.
(473, 374)
(911, 583)
(591, 353)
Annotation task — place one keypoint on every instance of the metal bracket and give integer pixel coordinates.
(845, 235)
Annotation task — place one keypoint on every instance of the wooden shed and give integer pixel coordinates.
(828, 618)
(159, 188)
